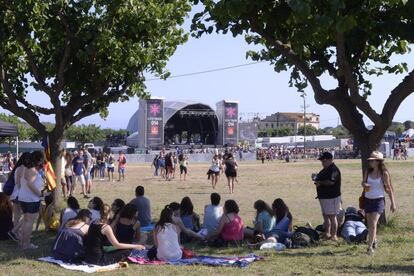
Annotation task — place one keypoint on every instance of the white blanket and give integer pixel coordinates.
(84, 268)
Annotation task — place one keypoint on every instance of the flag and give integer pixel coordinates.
(50, 175)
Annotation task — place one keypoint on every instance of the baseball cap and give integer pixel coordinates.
(325, 155)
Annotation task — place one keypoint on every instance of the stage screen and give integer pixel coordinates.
(155, 122)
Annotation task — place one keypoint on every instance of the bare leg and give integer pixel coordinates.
(327, 225)
(228, 184)
(334, 227)
(28, 220)
(372, 219)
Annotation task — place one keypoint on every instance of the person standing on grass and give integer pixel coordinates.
(111, 167)
(376, 183)
(29, 197)
(88, 170)
(155, 164)
(231, 171)
(183, 166)
(18, 173)
(121, 166)
(69, 173)
(79, 171)
(328, 187)
(215, 170)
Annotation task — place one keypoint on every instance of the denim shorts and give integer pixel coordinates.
(30, 207)
(376, 205)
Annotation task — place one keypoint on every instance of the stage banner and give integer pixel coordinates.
(231, 115)
(155, 122)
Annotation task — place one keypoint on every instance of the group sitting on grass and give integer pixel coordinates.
(104, 234)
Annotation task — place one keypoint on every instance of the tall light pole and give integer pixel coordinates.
(303, 95)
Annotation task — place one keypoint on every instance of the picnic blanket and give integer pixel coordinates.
(140, 257)
(83, 267)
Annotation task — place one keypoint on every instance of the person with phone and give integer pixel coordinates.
(328, 187)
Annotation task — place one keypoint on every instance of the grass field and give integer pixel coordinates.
(256, 181)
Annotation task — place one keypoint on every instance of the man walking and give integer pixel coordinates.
(79, 171)
(328, 187)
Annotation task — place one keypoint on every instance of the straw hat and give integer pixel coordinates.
(376, 155)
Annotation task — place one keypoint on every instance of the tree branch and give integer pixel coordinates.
(11, 104)
(321, 95)
(397, 96)
(352, 82)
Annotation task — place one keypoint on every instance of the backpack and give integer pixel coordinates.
(300, 239)
(68, 246)
(313, 234)
(9, 185)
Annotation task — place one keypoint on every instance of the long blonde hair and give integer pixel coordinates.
(105, 212)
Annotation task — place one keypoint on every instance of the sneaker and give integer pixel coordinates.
(13, 236)
(88, 192)
(85, 196)
(370, 251)
(375, 244)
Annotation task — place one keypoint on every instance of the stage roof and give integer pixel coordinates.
(170, 108)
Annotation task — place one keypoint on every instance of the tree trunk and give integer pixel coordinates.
(55, 139)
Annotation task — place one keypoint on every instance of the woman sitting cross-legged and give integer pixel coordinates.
(231, 226)
(94, 242)
(190, 219)
(126, 225)
(282, 229)
(186, 233)
(264, 221)
(70, 211)
(68, 245)
(166, 238)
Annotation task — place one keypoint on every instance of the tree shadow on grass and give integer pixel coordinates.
(408, 269)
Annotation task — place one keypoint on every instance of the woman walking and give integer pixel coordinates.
(231, 171)
(215, 170)
(376, 183)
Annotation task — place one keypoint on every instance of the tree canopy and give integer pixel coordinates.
(82, 55)
(349, 41)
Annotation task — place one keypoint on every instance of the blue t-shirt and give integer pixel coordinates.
(78, 164)
(267, 221)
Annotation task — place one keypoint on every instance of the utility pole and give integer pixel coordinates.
(303, 95)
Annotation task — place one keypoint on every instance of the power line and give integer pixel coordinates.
(208, 71)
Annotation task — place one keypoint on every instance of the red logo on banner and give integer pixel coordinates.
(230, 130)
(154, 130)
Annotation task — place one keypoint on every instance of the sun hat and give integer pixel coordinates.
(376, 155)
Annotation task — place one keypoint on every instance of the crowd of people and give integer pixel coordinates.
(104, 234)
(82, 167)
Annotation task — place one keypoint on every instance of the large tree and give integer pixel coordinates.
(349, 41)
(82, 55)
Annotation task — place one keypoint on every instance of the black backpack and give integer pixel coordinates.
(312, 233)
(68, 246)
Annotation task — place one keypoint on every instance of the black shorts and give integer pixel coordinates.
(30, 207)
(183, 169)
(231, 173)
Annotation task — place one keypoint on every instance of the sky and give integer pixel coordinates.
(257, 87)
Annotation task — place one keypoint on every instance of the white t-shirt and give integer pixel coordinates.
(168, 247)
(212, 216)
(26, 194)
(68, 214)
(96, 215)
(16, 189)
(376, 189)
